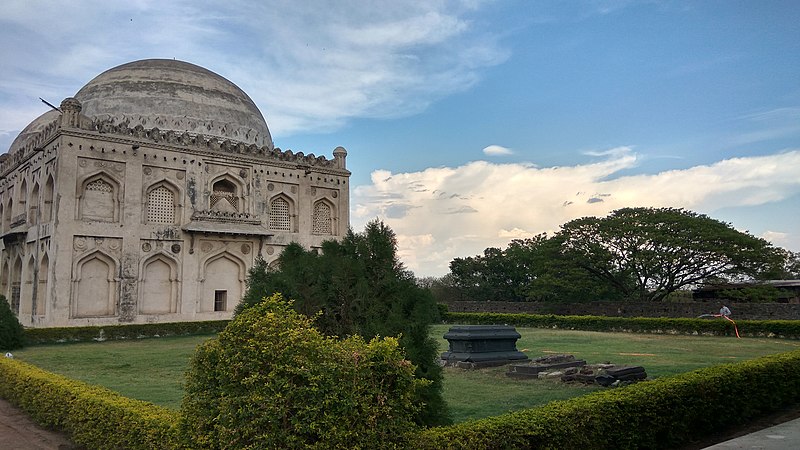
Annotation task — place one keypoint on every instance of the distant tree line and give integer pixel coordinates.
(637, 254)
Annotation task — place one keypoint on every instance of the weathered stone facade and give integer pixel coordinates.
(148, 196)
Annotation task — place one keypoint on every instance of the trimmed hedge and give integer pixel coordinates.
(718, 327)
(663, 413)
(92, 416)
(37, 336)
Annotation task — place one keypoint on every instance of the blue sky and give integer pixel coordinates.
(470, 123)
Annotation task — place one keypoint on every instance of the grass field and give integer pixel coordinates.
(152, 369)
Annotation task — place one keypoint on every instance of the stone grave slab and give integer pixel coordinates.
(476, 346)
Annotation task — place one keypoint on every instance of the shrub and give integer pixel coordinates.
(94, 417)
(270, 380)
(12, 335)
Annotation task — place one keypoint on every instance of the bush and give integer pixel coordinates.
(665, 413)
(270, 380)
(12, 335)
(94, 417)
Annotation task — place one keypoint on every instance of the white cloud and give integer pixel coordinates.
(309, 65)
(496, 150)
(462, 210)
(777, 238)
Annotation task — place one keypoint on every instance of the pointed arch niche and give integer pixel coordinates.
(4, 280)
(99, 198)
(223, 278)
(41, 290)
(7, 215)
(33, 208)
(22, 206)
(159, 285)
(47, 200)
(95, 286)
(26, 295)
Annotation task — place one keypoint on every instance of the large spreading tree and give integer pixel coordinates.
(358, 286)
(532, 269)
(647, 253)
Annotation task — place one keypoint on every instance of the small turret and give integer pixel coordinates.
(340, 156)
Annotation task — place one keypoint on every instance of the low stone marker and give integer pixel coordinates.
(569, 369)
(544, 364)
(476, 346)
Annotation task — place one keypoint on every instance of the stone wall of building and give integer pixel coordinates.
(753, 311)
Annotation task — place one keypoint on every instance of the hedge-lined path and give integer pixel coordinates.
(19, 432)
(781, 430)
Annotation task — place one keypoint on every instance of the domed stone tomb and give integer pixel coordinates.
(148, 195)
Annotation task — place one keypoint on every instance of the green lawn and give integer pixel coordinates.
(152, 369)
(488, 392)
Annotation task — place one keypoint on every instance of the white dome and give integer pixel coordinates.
(178, 96)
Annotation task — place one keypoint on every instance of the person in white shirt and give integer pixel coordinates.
(724, 311)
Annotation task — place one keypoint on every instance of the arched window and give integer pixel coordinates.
(161, 205)
(224, 197)
(322, 222)
(98, 200)
(280, 214)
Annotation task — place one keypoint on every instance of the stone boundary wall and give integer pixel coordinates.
(751, 311)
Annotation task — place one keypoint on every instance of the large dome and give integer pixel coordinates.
(175, 95)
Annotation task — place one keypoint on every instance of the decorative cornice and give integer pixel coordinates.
(121, 126)
(226, 217)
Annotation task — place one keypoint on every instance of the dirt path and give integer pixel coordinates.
(19, 432)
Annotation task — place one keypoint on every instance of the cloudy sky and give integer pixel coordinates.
(470, 123)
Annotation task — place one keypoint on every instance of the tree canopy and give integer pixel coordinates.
(634, 253)
(359, 287)
(647, 253)
(532, 269)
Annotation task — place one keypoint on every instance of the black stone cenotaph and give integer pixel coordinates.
(476, 346)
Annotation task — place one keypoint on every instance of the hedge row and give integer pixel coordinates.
(36, 336)
(663, 413)
(717, 327)
(93, 416)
